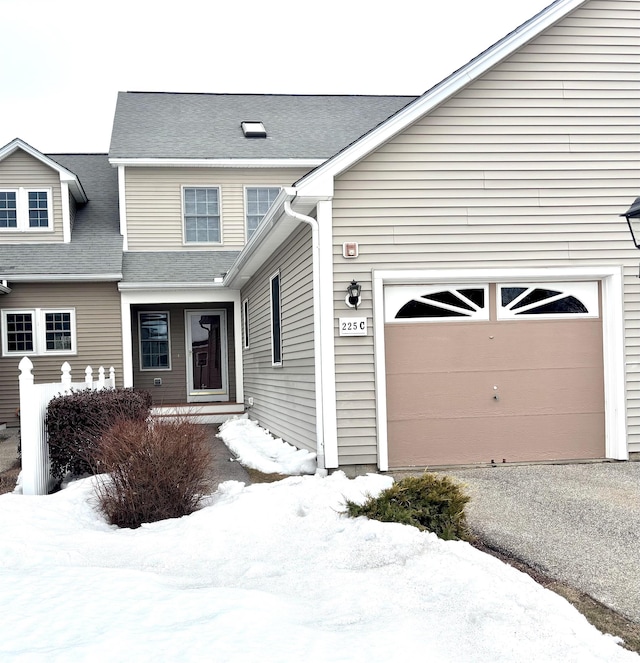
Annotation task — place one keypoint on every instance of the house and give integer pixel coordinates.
(389, 281)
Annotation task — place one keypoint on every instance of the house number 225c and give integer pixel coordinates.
(353, 326)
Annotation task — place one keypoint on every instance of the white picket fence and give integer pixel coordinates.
(34, 398)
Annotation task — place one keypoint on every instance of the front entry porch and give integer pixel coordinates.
(184, 349)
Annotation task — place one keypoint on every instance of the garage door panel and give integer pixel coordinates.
(428, 443)
(445, 347)
(472, 393)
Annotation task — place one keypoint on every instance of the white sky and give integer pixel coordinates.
(269, 572)
(62, 63)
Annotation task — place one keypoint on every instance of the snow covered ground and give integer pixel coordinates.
(266, 573)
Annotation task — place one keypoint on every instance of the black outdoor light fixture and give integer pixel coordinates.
(633, 220)
(353, 294)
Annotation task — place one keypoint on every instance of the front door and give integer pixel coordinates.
(206, 336)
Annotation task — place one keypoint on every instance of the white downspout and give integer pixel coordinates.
(315, 244)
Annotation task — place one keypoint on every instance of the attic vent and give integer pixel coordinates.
(253, 129)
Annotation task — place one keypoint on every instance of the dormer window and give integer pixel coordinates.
(24, 209)
(253, 129)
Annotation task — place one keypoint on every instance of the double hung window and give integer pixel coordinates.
(25, 209)
(201, 208)
(38, 331)
(258, 202)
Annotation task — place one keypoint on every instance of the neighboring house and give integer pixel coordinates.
(60, 264)
(496, 318)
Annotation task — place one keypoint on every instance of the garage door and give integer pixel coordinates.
(493, 373)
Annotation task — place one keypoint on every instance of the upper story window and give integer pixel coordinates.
(202, 215)
(259, 200)
(25, 209)
(38, 331)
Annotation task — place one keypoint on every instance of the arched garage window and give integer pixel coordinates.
(548, 300)
(436, 302)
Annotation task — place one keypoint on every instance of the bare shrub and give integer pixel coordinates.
(156, 470)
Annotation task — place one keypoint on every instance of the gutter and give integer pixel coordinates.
(4, 287)
(316, 331)
(29, 278)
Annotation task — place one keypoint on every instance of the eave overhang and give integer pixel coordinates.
(66, 176)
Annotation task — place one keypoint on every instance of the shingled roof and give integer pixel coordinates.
(96, 244)
(208, 126)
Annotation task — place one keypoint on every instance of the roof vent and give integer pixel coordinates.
(252, 129)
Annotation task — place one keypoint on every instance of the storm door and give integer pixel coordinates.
(206, 336)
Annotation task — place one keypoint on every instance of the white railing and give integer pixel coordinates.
(36, 477)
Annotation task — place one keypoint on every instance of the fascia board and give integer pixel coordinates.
(316, 181)
(162, 285)
(219, 163)
(48, 278)
(65, 175)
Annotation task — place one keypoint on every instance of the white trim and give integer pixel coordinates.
(50, 278)
(246, 339)
(396, 296)
(39, 330)
(66, 212)
(271, 318)
(216, 163)
(122, 206)
(155, 368)
(612, 332)
(207, 395)
(155, 285)
(22, 209)
(218, 188)
(320, 181)
(585, 291)
(237, 346)
(65, 175)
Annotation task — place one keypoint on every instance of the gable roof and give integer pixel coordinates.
(161, 125)
(95, 250)
(320, 180)
(65, 174)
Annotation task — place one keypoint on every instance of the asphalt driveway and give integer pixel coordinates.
(577, 523)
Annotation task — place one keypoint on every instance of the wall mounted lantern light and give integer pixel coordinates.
(353, 295)
(633, 220)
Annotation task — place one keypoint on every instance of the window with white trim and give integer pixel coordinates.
(436, 303)
(153, 332)
(258, 200)
(38, 331)
(23, 209)
(276, 321)
(245, 322)
(201, 211)
(548, 300)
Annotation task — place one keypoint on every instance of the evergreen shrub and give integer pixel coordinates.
(156, 470)
(76, 421)
(428, 502)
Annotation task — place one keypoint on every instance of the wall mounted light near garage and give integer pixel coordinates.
(353, 295)
(633, 220)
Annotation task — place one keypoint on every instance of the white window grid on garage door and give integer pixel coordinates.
(522, 301)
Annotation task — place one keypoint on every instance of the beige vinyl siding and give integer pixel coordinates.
(174, 381)
(72, 210)
(528, 167)
(20, 169)
(154, 203)
(98, 333)
(284, 396)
